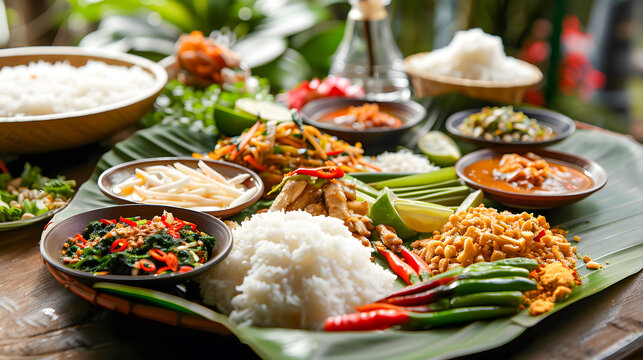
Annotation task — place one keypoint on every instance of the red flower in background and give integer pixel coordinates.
(576, 73)
(308, 91)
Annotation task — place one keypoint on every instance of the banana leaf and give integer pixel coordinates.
(609, 223)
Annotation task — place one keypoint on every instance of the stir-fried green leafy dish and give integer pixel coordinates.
(134, 246)
(32, 194)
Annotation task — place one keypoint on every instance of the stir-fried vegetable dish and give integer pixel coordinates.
(273, 149)
(134, 246)
(506, 125)
(32, 194)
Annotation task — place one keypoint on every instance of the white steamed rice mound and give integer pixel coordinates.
(293, 270)
(474, 54)
(403, 160)
(43, 88)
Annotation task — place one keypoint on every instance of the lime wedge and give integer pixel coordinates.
(439, 148)
(383, 212)
(266, 110)
(423, 217)
(231, 122)
(474, 199)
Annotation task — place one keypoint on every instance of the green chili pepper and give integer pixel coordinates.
(501, 298)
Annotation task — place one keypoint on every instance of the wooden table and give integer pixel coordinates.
(39, 318)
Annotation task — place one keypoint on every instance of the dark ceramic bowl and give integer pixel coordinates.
(410, 113)
(118, 173)
(534, 201)
(562, 125)
(57, 233)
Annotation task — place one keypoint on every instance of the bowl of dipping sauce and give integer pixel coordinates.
(540, 179)
(373, 123)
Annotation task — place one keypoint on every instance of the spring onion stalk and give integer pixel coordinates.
(444, 174)
(438, 185)
(432, 192)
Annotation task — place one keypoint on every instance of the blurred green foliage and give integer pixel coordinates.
(287, 41)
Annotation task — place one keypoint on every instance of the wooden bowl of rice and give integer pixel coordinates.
(428, 84)
(76, 127)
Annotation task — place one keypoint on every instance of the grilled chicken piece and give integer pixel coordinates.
(389, 237)
(316, 209)
(358, 207)
(336, 201)
(288, 194)
(311, 195)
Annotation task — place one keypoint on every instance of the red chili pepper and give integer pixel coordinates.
(325, 172)
(402, 269)
(148, 222)
(164, 217)
(3, 167)
(147, 265)
(127, 221)
(540, 235)
(183, 223)
(379, 306)
(333, 153)
(420, 298)
(108, 222)
(202, 260)
(80, 241)
(420, 287)
(119, 245)
(254, 163)
(172, 261)
(158, 254)
(372, 320)
(417, 263)
(185, 268)
(162, 270)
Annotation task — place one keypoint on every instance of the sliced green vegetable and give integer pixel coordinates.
(444, 174)
(473, 200)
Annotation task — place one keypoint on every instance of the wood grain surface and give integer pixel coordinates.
(40, 319)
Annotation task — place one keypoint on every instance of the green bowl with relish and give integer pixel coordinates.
(127, 244)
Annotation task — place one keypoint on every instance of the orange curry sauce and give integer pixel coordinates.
(527, 174)
(362, 117)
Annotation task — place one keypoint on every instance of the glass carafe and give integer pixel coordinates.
(368, 54)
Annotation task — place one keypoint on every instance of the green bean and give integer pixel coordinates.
(419, 321)
(502, 298)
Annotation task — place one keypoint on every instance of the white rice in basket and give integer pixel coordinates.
(473, 54)
(293, 270)
(43, 88)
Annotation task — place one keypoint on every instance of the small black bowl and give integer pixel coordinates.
(562, 125)
(410, 113)
(56, 234)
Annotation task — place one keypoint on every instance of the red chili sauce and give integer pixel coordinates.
(362, 117)
(527, 174)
